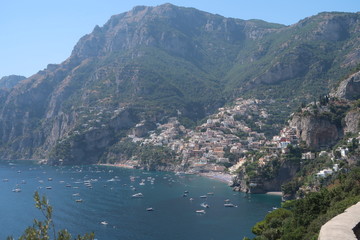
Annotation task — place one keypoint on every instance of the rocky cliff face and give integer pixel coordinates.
(352, 121)
(285, 173)
(316, 132)
(152, 63)
(349, 88)
(322, 124)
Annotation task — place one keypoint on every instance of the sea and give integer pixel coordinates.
(100, 199)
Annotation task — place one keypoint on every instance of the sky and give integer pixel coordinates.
(39, 32)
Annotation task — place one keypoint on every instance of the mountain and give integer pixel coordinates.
(152, 63)
(9, 82)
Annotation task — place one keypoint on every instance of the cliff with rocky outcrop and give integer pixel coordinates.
(316, 132)
(349, 88)
(323, 123)
(259, 184)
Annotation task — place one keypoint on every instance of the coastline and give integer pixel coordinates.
(275, 193)
(222, 177)
(119, 165)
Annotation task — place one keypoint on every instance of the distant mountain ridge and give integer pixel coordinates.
(152, 63)
(8, 82)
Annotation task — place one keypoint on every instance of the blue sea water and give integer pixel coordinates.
(110, 199)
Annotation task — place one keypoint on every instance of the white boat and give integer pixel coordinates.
(205, 205)
(229, 205)
(16, 190)
(137, 195)
(104, 223)
(200, 211)
(203, 196)
(79, 200)
(149, 209)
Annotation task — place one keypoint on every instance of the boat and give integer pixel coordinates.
(229, 205)
(50, 179)
(5, 180)
(191, 199)
(76, 194)
(48, 187)
(210, 193)
(150, 209)
(16, 190)
(78, 200)
(137, 195)
(104, 223)
(203, 196)
(200, 211)
(205, 205)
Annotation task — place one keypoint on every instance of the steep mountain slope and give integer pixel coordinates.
(152, 63)
(299, 60)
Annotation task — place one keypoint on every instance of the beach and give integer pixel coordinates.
(223, 177)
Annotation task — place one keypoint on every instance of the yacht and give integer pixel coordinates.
(137, 195)
(200, 211)
(205, 205)
(229, 205)
(16, 190)
(149, 209)
(104, 223)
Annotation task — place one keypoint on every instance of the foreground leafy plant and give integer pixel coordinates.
(42, 230)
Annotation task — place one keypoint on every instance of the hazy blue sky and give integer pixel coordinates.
(37, 32)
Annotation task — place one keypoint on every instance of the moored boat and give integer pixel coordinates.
(137, 195)
(200, 211)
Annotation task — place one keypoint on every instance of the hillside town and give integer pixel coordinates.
(221, 142)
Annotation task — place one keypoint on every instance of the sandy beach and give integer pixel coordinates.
(120, 165)
(223, 177)
(275, 193)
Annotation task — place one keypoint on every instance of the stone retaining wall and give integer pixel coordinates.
(345, 226)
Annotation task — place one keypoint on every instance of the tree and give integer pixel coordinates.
(45, 230)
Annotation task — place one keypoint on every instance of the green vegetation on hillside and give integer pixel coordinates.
(303, 218)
